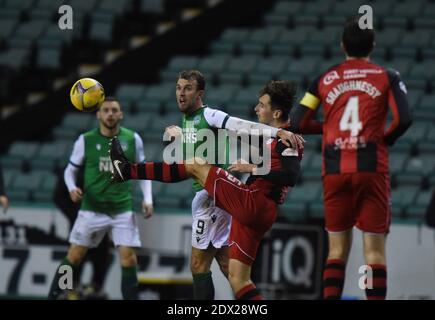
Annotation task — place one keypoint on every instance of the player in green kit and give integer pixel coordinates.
(210, 225)
(105, 205)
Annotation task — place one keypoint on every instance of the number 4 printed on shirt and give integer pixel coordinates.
(350, 118)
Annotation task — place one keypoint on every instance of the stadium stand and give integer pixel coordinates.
(294, 40)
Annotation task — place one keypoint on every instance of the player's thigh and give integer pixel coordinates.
(244, 242)
(337, 195)
(89, 228)
(239, 200)
(125, 231)
(372, 198)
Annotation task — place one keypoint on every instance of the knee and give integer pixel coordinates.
(198, 265)
(128, 258)
(375, 257)
(338, 253)
(76, 254)
(193, 165)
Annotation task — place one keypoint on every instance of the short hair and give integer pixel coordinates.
(193, 75)
(357, 42)
(111, 99)
(282, 94)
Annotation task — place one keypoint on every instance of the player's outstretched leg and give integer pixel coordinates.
(124, 170)
(73, 259)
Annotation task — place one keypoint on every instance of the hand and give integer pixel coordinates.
(5, 203)
(291, 139)
(242, 166)
(173, 131)
(76, 195)
(147, 210)
(120, 164)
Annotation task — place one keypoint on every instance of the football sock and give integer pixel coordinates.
(379, 281)
(159, 171)
(55, 290)
(249, 292)
(333, 278)
(203, 288)
(129, 283)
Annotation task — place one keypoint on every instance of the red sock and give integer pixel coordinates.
(379, 289)
(159, 171)
(333, 278)
(249, 292)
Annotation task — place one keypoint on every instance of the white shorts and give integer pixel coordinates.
(210, 224)
(90, 228)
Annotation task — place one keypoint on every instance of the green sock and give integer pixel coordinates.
(55, 290)
(129, 284)
(203, 288)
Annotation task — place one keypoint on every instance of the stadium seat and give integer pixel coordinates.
(395, 22)
(129, 93)
(49, 58)
(408, 9)
(7, 26)
(101, 31)
(221, 96)
(397, 161)
(114, 7)
(49, 155)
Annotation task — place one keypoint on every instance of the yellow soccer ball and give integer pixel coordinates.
(87, 95)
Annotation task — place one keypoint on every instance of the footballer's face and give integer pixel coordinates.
(264, 110)
(188, 95)
(110, 114)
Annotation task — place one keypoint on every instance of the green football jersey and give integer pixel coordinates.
(100, 193)
(192, 143)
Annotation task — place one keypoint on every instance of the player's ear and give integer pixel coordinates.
(201, 93)
(277, 114)
(98, 114)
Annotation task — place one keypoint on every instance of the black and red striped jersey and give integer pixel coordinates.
(284, 171)
(355, 95)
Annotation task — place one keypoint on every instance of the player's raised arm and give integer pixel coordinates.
(398, 104)
(301, 117)
(220, 119)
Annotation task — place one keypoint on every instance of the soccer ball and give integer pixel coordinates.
(87, 95)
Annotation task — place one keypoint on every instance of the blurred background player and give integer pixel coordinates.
(4, 201)
(355, 96)
(99, 257)
(105, 206)
(253, 206)
(210, 225)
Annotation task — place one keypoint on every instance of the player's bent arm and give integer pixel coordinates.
(70, 176)
(75, 161)
(301, 121)
(288, 175)
(222, 120)
(398, 104)
(146, 188)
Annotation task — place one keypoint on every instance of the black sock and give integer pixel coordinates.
(203, 288)
(159, 171)
(129, 283)
(55, 290)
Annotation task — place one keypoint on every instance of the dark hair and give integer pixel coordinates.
(111, 99)
(193, 75)
(282, 94)
(357, 42)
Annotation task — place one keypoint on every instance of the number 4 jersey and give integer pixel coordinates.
(355, 96)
